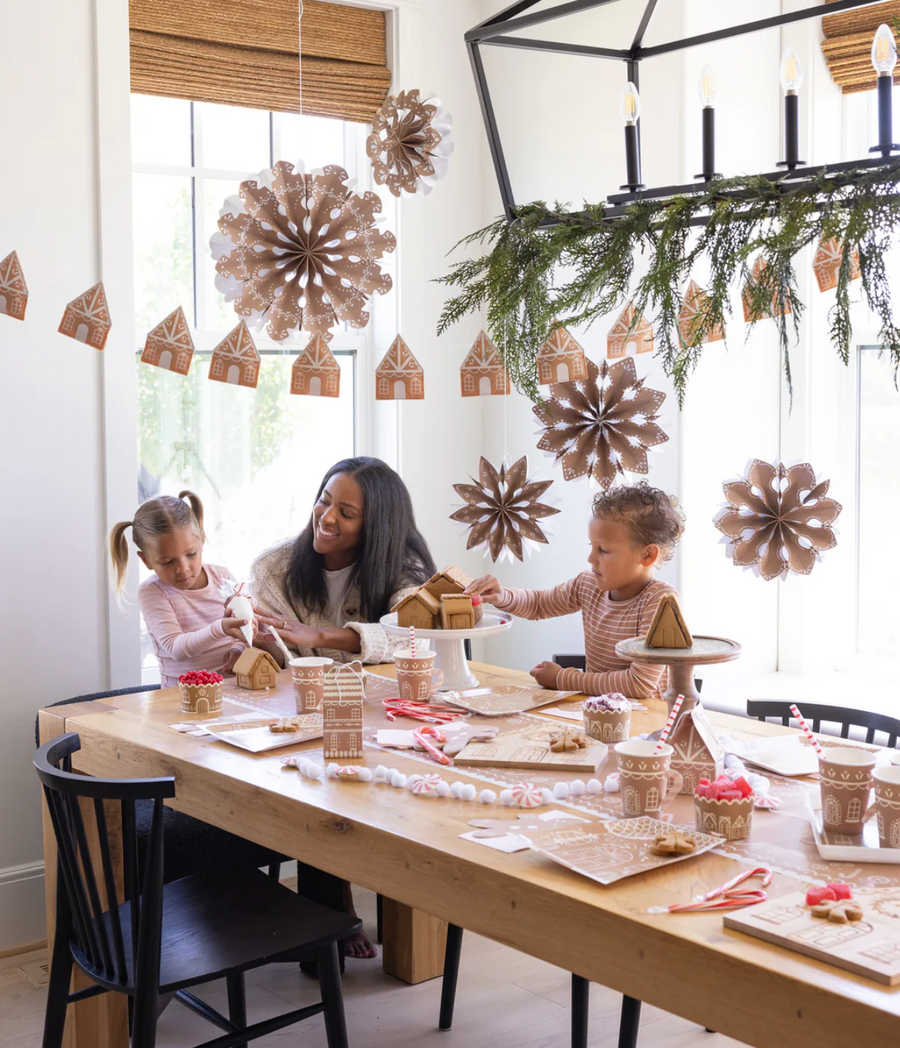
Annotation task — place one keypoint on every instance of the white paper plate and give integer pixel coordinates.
(841, 847)
(255, 736)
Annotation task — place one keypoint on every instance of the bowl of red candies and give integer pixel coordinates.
(201, 691)
(724, 806)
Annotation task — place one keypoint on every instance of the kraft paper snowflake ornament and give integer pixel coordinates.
(827, 263)
(169, 345)
(13, 289)
(778, 519)
(410, 143)
(299, 250)
(603, 426)
(503, 510)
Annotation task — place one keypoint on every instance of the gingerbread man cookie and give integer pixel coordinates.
(838, 911)
(567, 741)
(674, 842)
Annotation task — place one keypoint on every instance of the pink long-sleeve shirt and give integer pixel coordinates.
(605, 622)
(186, 625)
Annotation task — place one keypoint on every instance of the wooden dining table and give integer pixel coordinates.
(409, 849)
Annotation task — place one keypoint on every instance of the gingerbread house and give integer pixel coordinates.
(13, 289)
(695, 302)
(235, 359)
(698, 753)
(827, 263)
(399, 376)
(316, 372)
(668, 628)
(759, 267)
(169, 345)
(450, 580)
(342, 712)
(482, 373)
(86, 318)
(457, 612)
(630, 334)
(560, 359)
(419, 609)
(256, 669)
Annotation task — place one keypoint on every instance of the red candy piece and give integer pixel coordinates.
(200, 677)
(814, 896)
(741, 783)
(841, 890)
(476, 599)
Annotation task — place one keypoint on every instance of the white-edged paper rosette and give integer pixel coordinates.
(410, 143)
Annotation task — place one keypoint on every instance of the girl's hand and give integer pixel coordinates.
(488, 586)
(293, 632)
(545, 673)
(233, 627)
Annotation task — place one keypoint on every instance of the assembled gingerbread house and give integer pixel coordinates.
(342, 712)
(695, 301)
(457, 612)
(827, 263)
(86, 318)
(419, 609)
(449, 580)
(668, 628)
(560, 359)
(399, 376)
(629, 335)
(316, 373)
(698, 753)
(759, 267)
(482, 373)
(255, 669)
(13, 289)
(169, 345)
(235, 359)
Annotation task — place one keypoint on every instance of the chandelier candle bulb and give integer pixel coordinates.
(631, 113)
(791, 79)
(707, 92)
(884, 58)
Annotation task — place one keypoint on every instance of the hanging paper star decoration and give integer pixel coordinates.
(410, 143)
(503, 510)
(602, 426)
(778, 519)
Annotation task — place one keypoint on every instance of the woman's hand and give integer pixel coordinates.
(488, 586)
(293, 632)
(545, 673)
(233, 627)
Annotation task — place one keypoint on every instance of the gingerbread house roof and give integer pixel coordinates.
(424, 597)
(90, 308)
(12, 283)
(174, 335)
(561, 345)
(399, 362)
(237, 347)
(483, 356)
(668, 616)
(316, 356)
(695, 299)
(693, 738)
(827, 263)
(452, 574)
(250, 658)
(759, 267)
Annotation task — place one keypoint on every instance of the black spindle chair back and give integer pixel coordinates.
(816, 715)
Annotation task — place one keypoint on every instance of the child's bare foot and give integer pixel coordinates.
(359, 946)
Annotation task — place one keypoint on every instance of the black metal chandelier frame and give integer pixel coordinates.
(494, 32)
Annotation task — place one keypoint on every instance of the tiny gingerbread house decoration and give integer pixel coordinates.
(759, 267)
(482, 373)
(457, 612)
(399, 376)
(86, 318)
(169, 345)
(13, 289)
(419, 609)
(827, 263)
(316, 372)
(256, 669)
(629, 335)
(235, 359)
(695, 301)
(668, 628)
(560, 359)
(698, 753)
(342, 712)
(449, 580)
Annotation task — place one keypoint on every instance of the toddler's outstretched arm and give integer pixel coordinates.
(529, 604)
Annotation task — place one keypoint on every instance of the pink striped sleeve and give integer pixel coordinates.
(541, 604)
(164, 627)
(639, 681)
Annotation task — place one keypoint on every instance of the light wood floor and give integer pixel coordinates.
(505, 1000)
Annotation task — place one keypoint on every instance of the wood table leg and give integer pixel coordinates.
(414, 943)
(99, 1022)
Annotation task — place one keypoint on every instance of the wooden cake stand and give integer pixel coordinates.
(681, 662)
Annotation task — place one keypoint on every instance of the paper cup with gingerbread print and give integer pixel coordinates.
(607, 718)
(646, 780)
(416, 676)
(845, 778)
(308, 675)
(886, 807)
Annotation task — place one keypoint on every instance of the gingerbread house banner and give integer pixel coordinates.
(399, 376)
(316, 372)
(13, 289)
(751, 314)
(631, 334)
(696, 302)
(698, 752)
(235, 359)
(483, 373)
(827, 264)
(169, 345)
(86, 318)
(560, 359)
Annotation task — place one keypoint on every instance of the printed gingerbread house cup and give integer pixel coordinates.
(308, 676)
(730, 819)
(886, 808)
(698, 753)
(416, 675)
(200, 696)
(646, 781)
(845, 778)
(607, 718)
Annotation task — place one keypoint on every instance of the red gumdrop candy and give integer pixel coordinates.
(730, 795)
(816, 895)
(703, 782)
(841, 890)
(741, 783)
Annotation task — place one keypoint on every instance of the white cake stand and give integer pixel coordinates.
(447, 645)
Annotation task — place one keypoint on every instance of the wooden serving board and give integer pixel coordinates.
(530, 748)
(870, 947)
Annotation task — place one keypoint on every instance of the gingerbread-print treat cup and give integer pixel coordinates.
(646, 781)
(845, 778)
(308, 676)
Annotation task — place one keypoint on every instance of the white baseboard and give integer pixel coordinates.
(22, 911)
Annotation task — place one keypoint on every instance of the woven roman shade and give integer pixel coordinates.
(246, 54)
(848, 44)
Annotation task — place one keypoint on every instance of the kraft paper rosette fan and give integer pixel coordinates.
(410, 143)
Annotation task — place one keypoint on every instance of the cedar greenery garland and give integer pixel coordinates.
(538, 276)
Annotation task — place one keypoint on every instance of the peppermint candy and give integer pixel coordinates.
(526, 795)
(425, 784)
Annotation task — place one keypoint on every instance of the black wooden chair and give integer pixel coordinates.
(815, 716)
(165, 938)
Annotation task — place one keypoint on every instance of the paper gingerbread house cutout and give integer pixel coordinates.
(759, 267)
(256, 669)
(560, 359)
(698, 753)
(342, 712)
(169, 345)
(86, 318)
(668, 628)
(482, 373)
(399, 376)
(235, 359)
(623, 338)
(457, 612)
(449, 580)
(827, 263)
(695, 300)
(13, 289)
(419, 609)
(316, 372)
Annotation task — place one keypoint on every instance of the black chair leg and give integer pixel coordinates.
(237, 1002)
(629, 1022)
(581, 1000)
(275, 870)
(379, 918)
(57, 994)
(330, 985)
(146, 1015)
(451, 975)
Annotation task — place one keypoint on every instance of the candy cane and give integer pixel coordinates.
(423, 711)
(676, 709)
(420, 736)
(726, 896)
(758, 871)
(815, 742)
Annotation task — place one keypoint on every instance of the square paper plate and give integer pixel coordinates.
(254, 735)
(503, 699)
(844, 847)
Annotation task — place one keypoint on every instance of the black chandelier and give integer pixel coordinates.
(494, 32)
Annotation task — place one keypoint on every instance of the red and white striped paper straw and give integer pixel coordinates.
(815, 742)
(676, 709)
(412, 640)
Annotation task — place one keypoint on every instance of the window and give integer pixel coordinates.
(254, 456)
